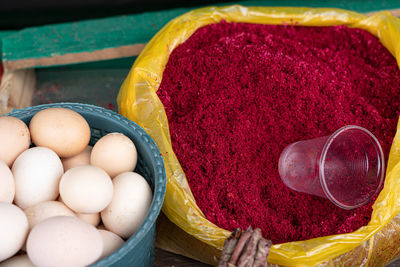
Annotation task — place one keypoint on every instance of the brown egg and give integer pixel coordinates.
(115, 153)
(91, 218)
(14, 139)
(60, 129)
(82, 158)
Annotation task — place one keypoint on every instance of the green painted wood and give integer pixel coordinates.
(92, 35)
(84, 36)
(6, 33)
(355, 5)
(119, 63)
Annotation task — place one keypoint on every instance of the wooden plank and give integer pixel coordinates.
(79, 57)
(38, 46)
(16, 89)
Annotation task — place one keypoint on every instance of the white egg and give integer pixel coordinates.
(18, 261)
(111, 241)
(37, 172)
(86, 189)
(92, 218)
(129, 206)
(46, 209)
(7, 187)
(13, 230)
(64, 241)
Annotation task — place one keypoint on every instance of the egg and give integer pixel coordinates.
(13, 230)
(86, 189)
(46, 209)
(111, 242)
(82, 158)
(129, 206)
(14, 138)
(37, 172)
(91, 218)
(64, 241)
(63, 130)
(115, 153)
(7, 187)
(18, 261)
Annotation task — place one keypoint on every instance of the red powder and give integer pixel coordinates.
(237, 94)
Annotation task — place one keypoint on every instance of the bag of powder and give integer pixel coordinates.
(374, 244)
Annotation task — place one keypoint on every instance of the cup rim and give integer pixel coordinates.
(322, 158)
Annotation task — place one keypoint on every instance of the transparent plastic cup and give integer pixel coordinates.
(346, 167)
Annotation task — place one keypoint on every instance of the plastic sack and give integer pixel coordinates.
(374, 244)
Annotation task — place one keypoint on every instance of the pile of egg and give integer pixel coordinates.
(62, 202)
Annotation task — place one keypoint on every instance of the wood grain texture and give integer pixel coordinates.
(16, 89)
(98, 55)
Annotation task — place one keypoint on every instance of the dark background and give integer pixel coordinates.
(17, 14)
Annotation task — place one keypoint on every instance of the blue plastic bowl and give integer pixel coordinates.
(138, 250)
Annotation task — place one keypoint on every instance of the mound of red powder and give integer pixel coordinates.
(237, 94)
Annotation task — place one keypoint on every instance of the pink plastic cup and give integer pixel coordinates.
(346, 167)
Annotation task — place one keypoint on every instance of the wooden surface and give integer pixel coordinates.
(164, 258)
(64, 40)
(16, 89)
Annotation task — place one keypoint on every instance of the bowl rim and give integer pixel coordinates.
(160, 181)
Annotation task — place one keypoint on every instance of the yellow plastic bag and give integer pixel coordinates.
(138, 101)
